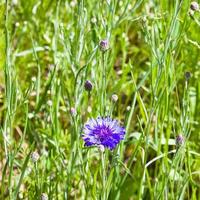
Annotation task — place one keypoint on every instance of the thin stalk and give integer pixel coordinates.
(103, 88)
(8, 81)
(103, 193)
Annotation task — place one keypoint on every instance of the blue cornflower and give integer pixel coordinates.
(103, 131)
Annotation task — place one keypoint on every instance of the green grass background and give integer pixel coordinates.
(48, 48)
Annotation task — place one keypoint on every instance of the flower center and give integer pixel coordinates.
(104, 133)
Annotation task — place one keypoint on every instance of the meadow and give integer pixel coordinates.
(99, 99)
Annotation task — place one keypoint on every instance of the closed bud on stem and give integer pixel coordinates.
(104, 45)
(187, 75)
(180, 140)
(35, 156)
(101, 148)
(44, 196)
(73, 111)
(194, 6)
(88, 85)
(114, 98)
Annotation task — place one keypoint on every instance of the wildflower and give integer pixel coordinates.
(103, 131)
(194, 6)
(88, 85)
(114, 98)
(179, 140)
(35, 156)
(104, 45)
(44, 196)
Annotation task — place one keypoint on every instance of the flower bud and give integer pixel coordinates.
(114, 98)
(88, 85)
(128, 108)
(33, 79)
(180, 140)
(44, 196)
(35, 156)
(50, 103)
(104, 45)
(73, 111)
(101, 148)
(30, 115)
(194, 6)
(187, 75)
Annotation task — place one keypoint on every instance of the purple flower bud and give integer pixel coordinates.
(88, 85)
(180, 140)
(73, 111)
(194, 6)
(104, 45)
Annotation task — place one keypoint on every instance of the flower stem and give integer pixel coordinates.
(103, 88)
(103, 193)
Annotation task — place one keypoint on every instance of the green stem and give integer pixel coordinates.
(103, 193)
(103, 88)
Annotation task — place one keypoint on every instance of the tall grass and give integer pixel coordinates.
(48, 49)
